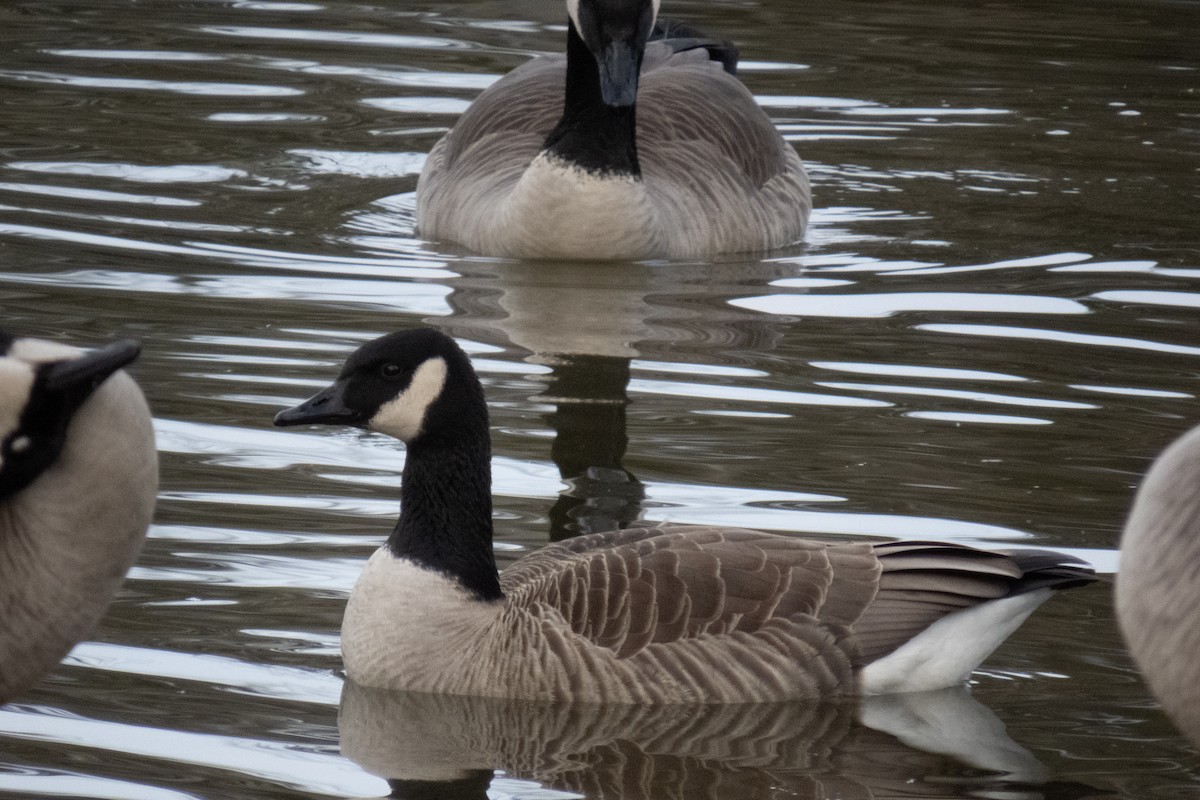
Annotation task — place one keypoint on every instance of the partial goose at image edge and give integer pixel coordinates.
(1157, 594)
(648, 614)
(78, 484)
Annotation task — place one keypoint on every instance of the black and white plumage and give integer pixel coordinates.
(623, 148)
(1158, 586)
(78, 481)
(651, 614)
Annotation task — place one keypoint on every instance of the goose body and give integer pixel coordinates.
(621, 149)
(1158, 586)
(651, 614)
(78, 480)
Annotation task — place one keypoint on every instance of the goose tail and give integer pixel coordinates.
(942, 609)
(1046, 569)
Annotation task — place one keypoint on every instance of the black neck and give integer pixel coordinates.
(590, 134)
(446, 508)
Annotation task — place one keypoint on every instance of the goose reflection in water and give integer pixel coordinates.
(940, 744)
(587, 323)
(590, 398)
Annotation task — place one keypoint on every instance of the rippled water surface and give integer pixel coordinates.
(993, 325)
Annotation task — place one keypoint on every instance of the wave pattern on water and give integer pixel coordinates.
(989, 331)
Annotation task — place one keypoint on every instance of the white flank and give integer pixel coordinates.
(945, 653)
(404, 416)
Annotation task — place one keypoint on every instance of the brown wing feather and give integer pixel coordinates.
(629, 589)
(731, 615)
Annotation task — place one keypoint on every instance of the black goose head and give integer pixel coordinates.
(417, 386)
(615, 32)
(42, 385)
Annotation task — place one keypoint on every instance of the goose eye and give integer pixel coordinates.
(390, 370)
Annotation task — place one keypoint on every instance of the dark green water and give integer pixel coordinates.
(993, 326)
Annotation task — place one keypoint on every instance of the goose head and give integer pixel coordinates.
(615, 33)
(42, 385)
(416, 386)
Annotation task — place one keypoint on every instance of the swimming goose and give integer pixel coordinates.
(1158, 585)
(548, 162)
(78, 480)
(652, 614)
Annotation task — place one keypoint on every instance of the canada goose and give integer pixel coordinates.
(548, 162)
(78, 480)
(662, 614)
(1158, 585)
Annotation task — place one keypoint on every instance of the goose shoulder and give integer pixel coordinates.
(526, 101)
(493, 141)
(719, 176)
(688, 103)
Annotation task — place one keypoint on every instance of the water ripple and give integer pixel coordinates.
(295, 684)
(1064, 337)
(206, 88)
(886, 305)
(958, 394)
(99, 195)
(295, 765)
(389, 40)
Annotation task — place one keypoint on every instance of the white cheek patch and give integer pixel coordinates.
(573, 11)
(404, 416)
(39, 351)
(16, 382)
